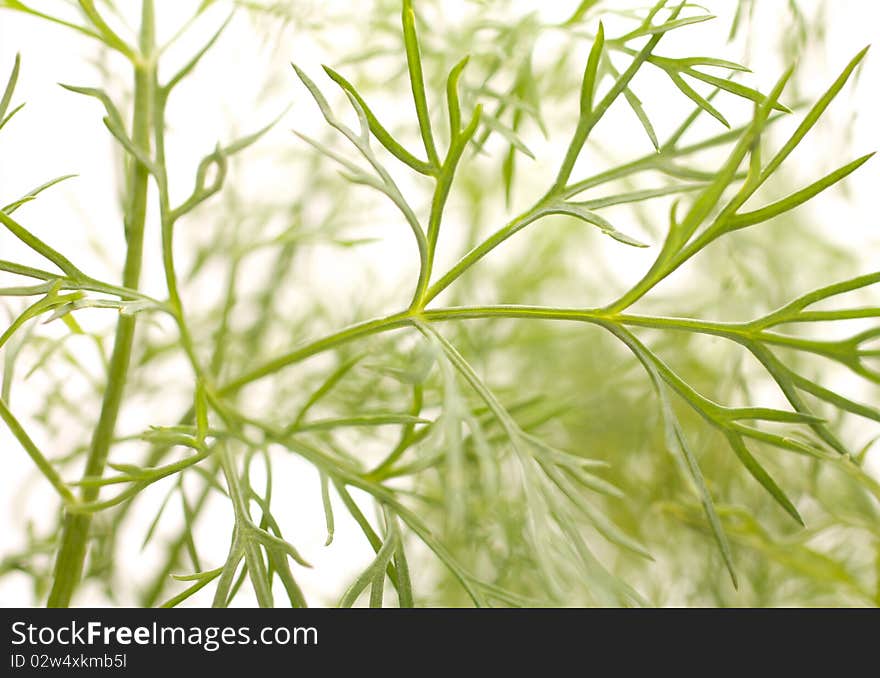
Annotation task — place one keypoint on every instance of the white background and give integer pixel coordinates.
(59, 133)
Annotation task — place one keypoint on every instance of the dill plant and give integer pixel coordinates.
(496, 443)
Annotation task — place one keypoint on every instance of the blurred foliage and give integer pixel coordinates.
(510, 461)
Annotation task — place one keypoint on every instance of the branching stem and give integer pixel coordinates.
(75, 535)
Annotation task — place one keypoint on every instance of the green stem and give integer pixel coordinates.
(252, 554)
(477, 253)
(519, 222)
(364, 329)
(43, 464)
(168, 219)
(591, 118)
(75, 535)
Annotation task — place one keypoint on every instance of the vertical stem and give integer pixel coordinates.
(75, 534)
(167, 220)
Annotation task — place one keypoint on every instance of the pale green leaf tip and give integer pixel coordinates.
(299, 71)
